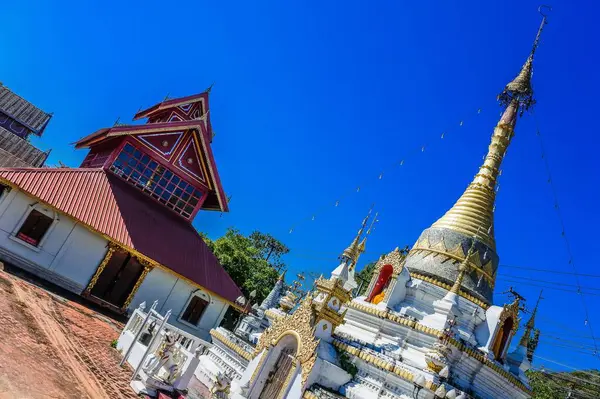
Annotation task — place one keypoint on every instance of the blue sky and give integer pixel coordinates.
(312, 99)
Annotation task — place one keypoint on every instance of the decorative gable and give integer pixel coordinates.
(189, 160)
(162, 143)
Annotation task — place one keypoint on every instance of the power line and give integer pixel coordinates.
(548, 282)
(571, 262)
(567, 366)
(550, 271)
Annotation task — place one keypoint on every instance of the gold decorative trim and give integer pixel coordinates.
(309, 395)
(482, 359)
(511, 311)
(300, 324)
(431, 332)
(109, 253)
(231, 345)
(394, 258)
(261, 362)
(475, 265)
(271, 314)
(138, 283)
(446, 286)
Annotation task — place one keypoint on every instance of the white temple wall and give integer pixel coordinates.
(295, 391)
(484, 332)
(398, 294)
(328, 375)
(175, 293)
(67, 255)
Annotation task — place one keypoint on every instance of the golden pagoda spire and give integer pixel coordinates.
(353, 251)
(473, 213)
(363, 244)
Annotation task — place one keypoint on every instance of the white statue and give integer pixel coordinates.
(167, 359)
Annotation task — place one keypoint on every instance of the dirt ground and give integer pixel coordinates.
(53, 348)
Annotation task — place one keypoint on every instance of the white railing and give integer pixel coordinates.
(186, 340)
(153, 323)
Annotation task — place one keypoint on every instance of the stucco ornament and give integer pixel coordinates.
(437, 356)
(511, 311)
(301, 325)
(394, 258)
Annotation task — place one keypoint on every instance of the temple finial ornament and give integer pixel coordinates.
(519, 90)
(353, 252)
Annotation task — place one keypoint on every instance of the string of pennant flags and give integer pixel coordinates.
(396, 164)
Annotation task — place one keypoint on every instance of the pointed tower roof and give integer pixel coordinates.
(530, 325)
(272, 300)
(472, 216)
(356, 247)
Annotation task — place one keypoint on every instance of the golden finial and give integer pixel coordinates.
(352, 252)
(519, 90)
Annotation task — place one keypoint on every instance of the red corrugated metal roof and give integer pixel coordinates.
(113, 208)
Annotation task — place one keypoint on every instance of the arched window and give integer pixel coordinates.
(502, 336)
(196, 306)
(383, 280)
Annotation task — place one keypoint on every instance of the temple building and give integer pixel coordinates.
(427, 326)
(18, 120)
(118, 229)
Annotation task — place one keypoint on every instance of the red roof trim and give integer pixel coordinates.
(166, 104)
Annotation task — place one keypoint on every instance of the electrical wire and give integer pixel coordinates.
(571, 262)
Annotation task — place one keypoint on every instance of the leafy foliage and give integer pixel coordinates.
(270, 248)
(346, 364)
(577, 384)
(246, 260)
(363, 277)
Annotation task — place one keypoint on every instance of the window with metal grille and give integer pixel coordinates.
(35, 226)
(157, 181)
(194, 310)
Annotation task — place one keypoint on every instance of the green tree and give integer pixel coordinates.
(559, 385)
(363, 277)
(245, 262)
(270, 248)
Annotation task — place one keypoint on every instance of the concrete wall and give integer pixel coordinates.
(69, 253)
(174, 293)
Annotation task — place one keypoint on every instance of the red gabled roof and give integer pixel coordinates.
(174, 102)
(198, 124)
(111, 207)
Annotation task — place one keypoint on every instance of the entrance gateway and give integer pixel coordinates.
(278, 375)
(117, 279)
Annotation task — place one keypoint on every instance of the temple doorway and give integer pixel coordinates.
(277, 377)
(383, 280)
(118, 278)
(501, 340)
